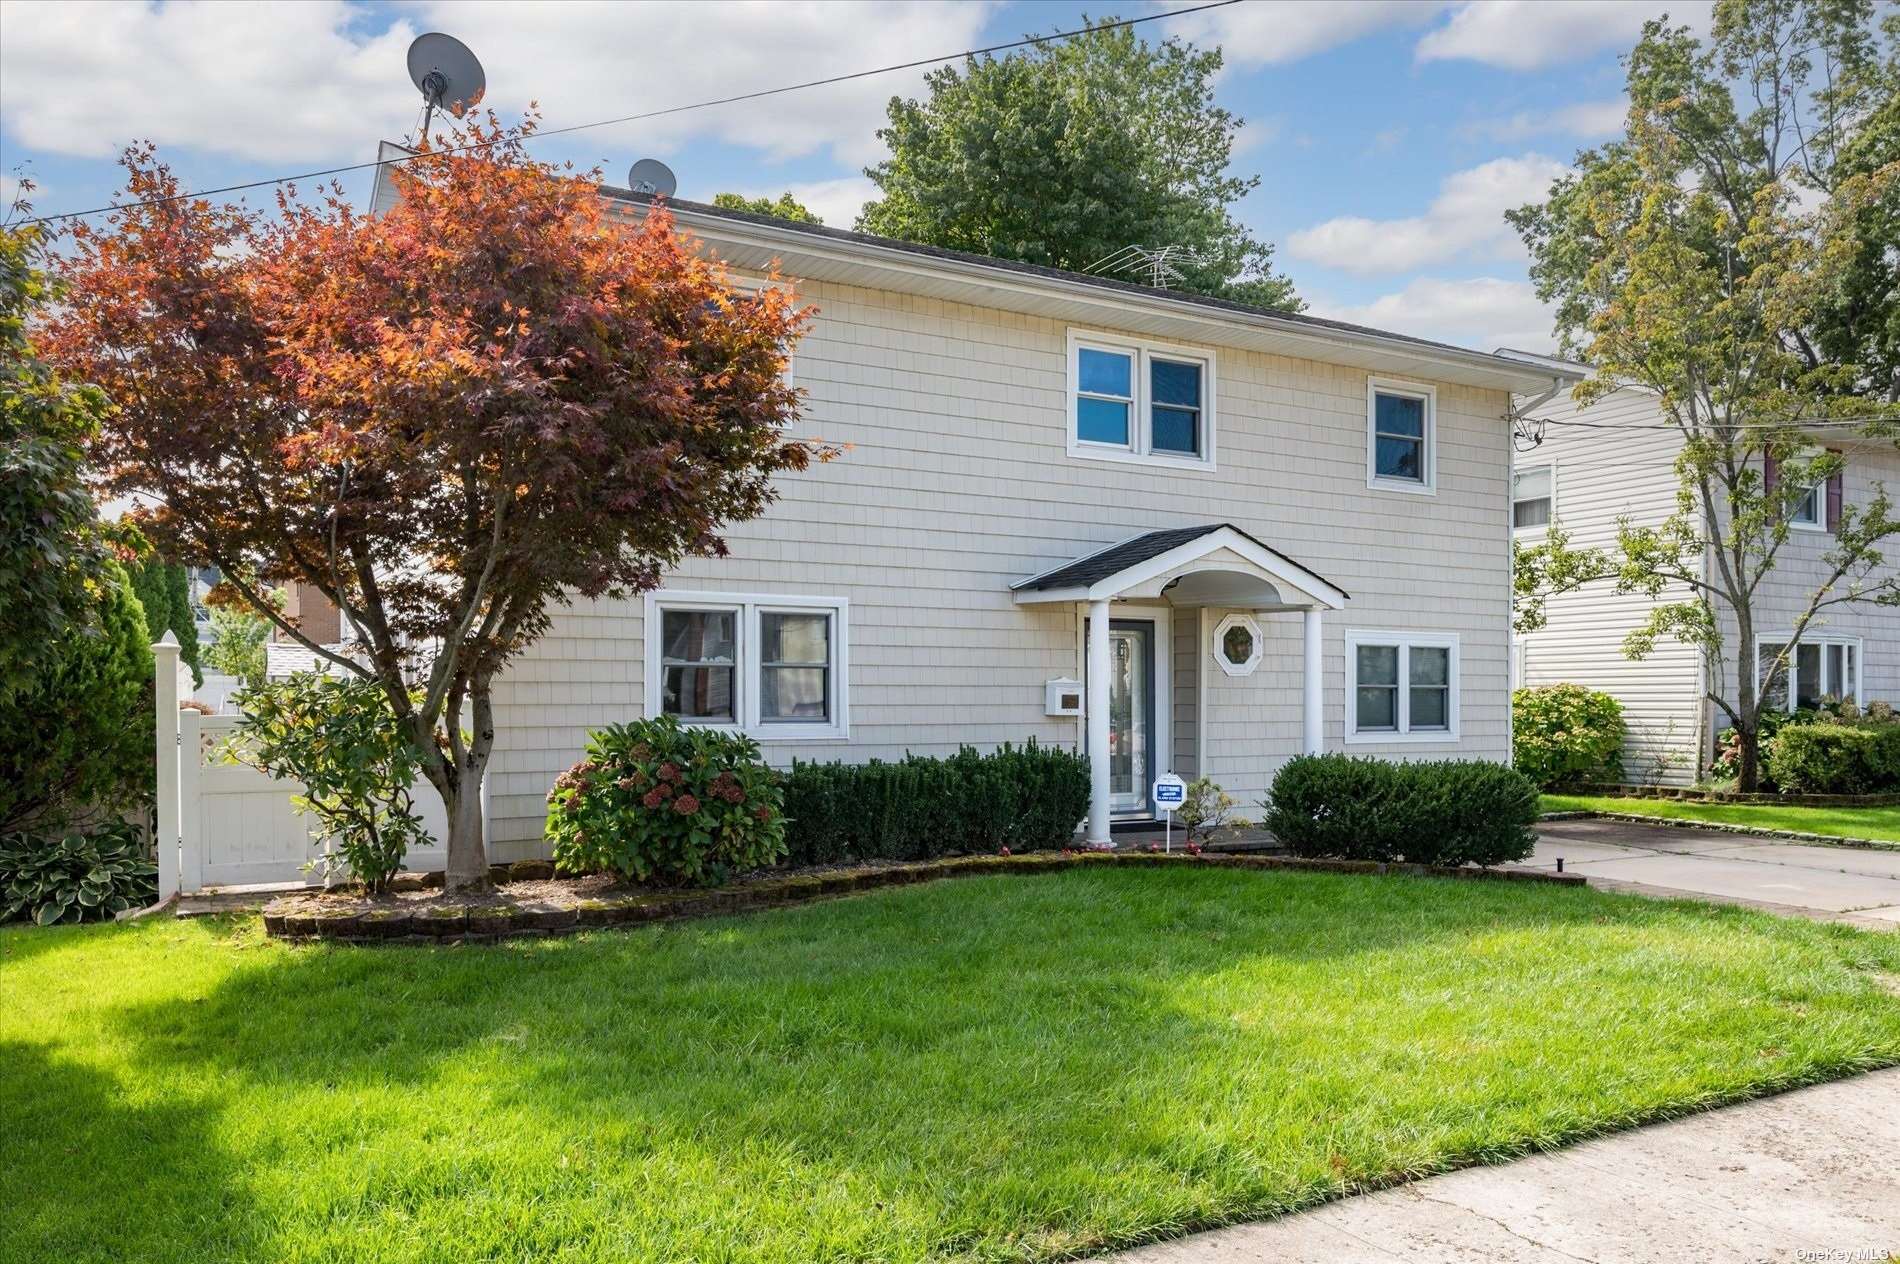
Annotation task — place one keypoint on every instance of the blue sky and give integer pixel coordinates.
(1388, 134)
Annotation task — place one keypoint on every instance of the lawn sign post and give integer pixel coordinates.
(1169, 793)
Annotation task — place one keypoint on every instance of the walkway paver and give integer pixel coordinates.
(1806, 1175)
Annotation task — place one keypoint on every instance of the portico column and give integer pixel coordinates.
(1095, 708)
(1315, 680)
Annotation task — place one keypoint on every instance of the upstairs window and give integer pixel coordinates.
(1401, 443)
(1532, 498)
(1132, 401)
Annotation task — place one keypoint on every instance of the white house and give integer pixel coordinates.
(1616, 459)
(1181, 533)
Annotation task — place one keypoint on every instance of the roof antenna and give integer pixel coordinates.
(1161, 265)
(448, 75)
(652, 177)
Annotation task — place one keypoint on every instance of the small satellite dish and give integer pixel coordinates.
(447, 73)
(652, 177)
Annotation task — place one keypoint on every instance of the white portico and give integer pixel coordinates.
(1214, 567)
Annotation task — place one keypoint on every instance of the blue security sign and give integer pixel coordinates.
(1169, 792)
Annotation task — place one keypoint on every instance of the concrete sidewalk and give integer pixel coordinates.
(1859, 886)
(1808, 1175)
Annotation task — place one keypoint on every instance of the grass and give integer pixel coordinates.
(1876, 824)
(1003, 1068)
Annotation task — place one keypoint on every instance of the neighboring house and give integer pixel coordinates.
(1616, 459)
(1184, 534)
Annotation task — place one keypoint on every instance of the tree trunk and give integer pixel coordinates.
(1748, 760)
(467, 868)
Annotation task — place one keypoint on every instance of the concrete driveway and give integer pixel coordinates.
(1847, 884)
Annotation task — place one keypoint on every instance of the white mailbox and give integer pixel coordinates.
(1064, 697)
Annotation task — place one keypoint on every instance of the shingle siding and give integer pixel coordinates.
(957, 482)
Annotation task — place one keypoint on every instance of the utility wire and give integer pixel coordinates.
(650, 114)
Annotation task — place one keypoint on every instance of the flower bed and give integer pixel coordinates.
(565, 905)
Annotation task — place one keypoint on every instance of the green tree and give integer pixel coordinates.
(1072, 150)
(1697, 258)
(238, 635)
(77, 741)
(785, 207)
(164, 591)
(52, 552)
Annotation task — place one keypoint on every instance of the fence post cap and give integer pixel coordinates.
(167, 642)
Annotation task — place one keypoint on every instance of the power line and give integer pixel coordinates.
(649, 114)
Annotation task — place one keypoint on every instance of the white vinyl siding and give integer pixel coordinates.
(957, 480)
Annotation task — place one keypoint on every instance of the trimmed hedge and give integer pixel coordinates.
(1021, 797)
(1453, 812)
(1824, 758)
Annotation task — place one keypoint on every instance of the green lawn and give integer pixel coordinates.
(1878, 824)
(1006, 1068)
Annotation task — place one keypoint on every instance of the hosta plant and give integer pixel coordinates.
(655, 801)
(75, 878)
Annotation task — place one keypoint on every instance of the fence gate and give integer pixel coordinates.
(229, 824)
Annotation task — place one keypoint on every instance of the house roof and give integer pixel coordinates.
(1127, 555)
(752, 240)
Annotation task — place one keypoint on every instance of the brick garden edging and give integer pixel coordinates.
(1757, 831)
(290, 918)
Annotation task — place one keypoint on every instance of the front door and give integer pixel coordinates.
(1131, 714)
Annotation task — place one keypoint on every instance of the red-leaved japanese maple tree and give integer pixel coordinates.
(449, 418)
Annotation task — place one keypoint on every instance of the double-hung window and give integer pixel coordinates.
(769, 665)
(1819, 669)
(1404, 687)
(1401, 436)
(1533, 498)
(1131, 400)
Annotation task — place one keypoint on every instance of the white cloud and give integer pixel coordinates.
(1466, 219)
(1257, 133)
(1586, 120)
(1481, 312)
(270, 82)
(1530, 34)
(304, 83)
(837, 202)
(1275, 32)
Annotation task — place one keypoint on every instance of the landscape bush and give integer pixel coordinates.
(76, 741)
(339, 736)
(1563, 734)
(1024, 798)
(1450, 812)
(1841, 757)
(654, 801)
(47, 879)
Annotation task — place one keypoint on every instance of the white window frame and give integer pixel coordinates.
(1549, 467)
(1139, 448)
(1817, 495)
(1791, 675)
(747, 665)
(1405, 642)
(1221, 660)
(1377, 386)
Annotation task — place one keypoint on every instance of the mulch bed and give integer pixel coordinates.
(527, 906)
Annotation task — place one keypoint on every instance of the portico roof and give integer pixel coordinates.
(1213, 564)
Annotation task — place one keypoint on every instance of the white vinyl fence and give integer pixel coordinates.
(224, 824)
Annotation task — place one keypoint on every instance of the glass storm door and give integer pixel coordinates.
(1130, 715)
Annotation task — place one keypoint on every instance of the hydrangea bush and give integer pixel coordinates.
(656, 802)
(1562, 734)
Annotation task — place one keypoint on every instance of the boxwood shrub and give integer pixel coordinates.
(655, 801)
(1453, 812)
(1829, 758)
(1020, 797)
(1563, 734)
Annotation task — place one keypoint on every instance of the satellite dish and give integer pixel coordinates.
(652, 177)
(448, 75)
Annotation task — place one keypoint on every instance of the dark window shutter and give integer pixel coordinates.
(1834, 499)
(1769, 469)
